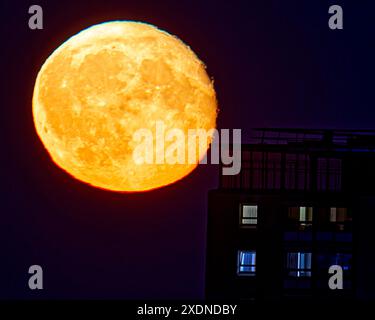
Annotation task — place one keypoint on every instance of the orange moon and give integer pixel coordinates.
(106, 82)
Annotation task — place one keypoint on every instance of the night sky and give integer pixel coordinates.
(274, 64)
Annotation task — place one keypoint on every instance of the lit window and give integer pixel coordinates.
(340, 217)
(302, 216)
(333, 215)
(299, 264)
(246, 263)
(305, 215)
(249, 215)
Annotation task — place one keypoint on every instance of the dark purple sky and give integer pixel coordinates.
(275, 64)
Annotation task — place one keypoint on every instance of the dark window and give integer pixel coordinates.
(265, 170)
(259, 170)
(273, 171)
(325, 260)
(329, 174)
(297, 172)
(246, 170)
(298, 236)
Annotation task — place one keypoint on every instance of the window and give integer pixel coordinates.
(325, 260)
(340, 217)
(273, 169)
(297, 172)
(265, 169)
(259, 170)
(299, 264)
(329, 174)
(300, 217)
(249, 215)
(344, 260)
(305, 215)
(246, 263)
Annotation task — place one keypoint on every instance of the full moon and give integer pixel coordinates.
(105, 83)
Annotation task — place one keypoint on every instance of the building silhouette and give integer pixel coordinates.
(303, 201)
